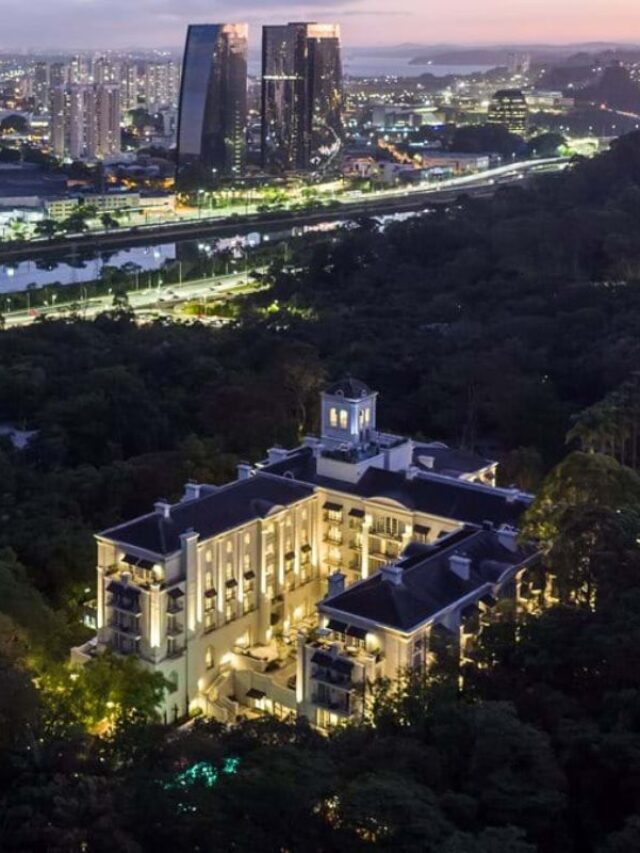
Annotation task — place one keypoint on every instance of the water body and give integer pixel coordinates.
(398, 66)
(19, 276)
(372, 65)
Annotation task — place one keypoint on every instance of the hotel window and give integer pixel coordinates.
(208, 580)
(228, 572)
(208, 658)
(247, 539)
(208, 556)
(246, 562)
(344, 419)
(333, 417)
(229, 546)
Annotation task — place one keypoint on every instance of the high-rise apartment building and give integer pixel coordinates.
(85, 121)
(213, 105)
(107, 120)
(301, 97)
(129, 86)
(41, 86)
(80, 71)
(106, 72)
(161, 85)
(509, 108)
(58, 74)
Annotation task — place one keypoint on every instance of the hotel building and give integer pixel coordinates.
(321, 568)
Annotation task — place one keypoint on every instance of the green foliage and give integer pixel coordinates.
(105, 691)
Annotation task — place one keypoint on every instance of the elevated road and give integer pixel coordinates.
(349, 206)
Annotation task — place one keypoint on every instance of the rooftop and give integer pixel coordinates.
(350, 388)
(215, 512)
(427, 584)
(428, 493)
(450, 461)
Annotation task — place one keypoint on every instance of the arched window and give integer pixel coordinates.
(344, 419)
(208, 658)
(333, 417)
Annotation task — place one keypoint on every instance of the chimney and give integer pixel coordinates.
(508, 537)
(336, 585)
(460, 565)
(244, 470)
(277, 454)
(392, 573)
(191, 491)
(163, 508)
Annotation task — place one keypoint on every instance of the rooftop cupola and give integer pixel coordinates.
(348, 411)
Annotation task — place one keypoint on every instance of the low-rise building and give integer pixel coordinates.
(225, 592)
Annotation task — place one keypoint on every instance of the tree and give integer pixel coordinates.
(581, 479)
(98, 695)
(47, 228)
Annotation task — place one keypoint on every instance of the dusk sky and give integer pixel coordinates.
(120, 23)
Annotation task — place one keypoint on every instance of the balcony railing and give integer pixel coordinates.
(338, 707)
(326, 676)
(126, 630)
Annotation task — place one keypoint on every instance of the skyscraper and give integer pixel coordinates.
(301, 96)
(213, 105)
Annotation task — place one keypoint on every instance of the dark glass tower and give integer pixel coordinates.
(301, 97)
(212, 125)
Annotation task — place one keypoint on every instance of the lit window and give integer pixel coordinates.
(333, 417)
(367, 416)
(208, 658)
(208, 580)
(344, 419)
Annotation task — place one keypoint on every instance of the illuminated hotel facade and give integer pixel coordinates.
(351, 557)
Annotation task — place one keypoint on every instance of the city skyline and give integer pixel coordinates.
(99, 23)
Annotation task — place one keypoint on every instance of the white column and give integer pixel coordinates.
(100, 599)
(366, 527)
(280, 531)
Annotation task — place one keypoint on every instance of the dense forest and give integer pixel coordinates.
(509, 325)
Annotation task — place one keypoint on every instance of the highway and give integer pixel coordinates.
(156, 301)
(353, 204)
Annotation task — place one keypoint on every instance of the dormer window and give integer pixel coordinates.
(344, 419)
(333, 417)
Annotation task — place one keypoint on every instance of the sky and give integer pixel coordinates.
(26, 24)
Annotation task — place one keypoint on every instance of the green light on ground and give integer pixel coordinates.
(204, 773)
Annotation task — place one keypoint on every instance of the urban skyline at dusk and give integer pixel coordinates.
(99, 23)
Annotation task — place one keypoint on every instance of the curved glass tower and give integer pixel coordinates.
(212, 125)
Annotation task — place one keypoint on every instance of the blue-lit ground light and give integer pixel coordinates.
(202, 773)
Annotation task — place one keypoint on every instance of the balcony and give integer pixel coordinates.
(337, 706)
(175, 650)
(175, 629)
(331, 678)
(133, 633)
